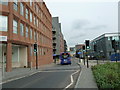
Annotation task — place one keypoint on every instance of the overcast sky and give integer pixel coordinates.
(85, 20)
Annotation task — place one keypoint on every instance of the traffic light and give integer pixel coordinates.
(95, 48)
(113, 44)
(35, 47)
(83, 47)
(87, 44)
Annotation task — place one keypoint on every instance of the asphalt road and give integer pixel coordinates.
(58, 76)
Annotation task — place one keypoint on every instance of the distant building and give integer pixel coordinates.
(72, 51)
(101, 47)
(65, 46)
(58, 40)
(79, 46)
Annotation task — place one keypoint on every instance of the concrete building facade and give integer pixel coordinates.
(24, 24)
(58, 39)
(65, 46)
(103, 45)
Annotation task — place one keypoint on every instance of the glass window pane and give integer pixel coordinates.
(26, 31)
(26, 13)
(31, 33)
(15, 26)
(21, 9)
(30, 16)
(21, 29)
(4, 2)
(15, 5)
(3, 23)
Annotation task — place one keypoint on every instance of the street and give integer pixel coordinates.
(58, 76)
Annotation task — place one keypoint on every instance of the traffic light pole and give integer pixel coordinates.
(87, 60)
(84, 58)
(36, 61)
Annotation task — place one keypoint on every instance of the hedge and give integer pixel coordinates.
(107, 75)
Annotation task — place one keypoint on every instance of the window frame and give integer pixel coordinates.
(15, 26)
(22, 9)
(15, 5)
(27, 31)
(5, 19)
(22, 29)
(27, 13)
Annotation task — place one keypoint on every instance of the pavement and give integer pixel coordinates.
(86, 78)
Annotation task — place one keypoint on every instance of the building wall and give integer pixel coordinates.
(59, 36)
(41, 27)
(79, 46)
(104, 45)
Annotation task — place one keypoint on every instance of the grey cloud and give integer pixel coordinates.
(78, 36)
(98, 27)
(71, 43)
(78, 24)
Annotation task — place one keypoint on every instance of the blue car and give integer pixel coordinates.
(65, 58)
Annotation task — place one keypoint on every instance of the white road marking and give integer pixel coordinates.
(72, 79)
(33, 74)
(18, 78)
(78, 78)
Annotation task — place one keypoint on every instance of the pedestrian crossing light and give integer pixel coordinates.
(35, 47)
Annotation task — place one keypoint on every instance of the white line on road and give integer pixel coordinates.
(33, 74)
(72, 79)
(18, 78)
(78, 79)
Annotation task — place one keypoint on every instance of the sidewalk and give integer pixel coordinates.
(86, 78)
(23, 72)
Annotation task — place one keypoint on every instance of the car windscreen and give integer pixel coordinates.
(65, 55)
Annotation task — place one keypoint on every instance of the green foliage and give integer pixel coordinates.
(107, 75)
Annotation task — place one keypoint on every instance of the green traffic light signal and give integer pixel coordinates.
(88, 47)
(35, 47)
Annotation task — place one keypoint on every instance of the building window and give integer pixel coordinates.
(15, 5)
(27, 13)
(15, 26)
(21, 9)
(35, 6)
(31, 33)
(3, 23)
(35, 36)
(116, 38)
(35, 20)
(26, 31)
(30, 16)
(21, 29)
(31, 51)
(30, 2)
(4, 2)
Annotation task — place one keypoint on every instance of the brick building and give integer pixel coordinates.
(79, 46)
(25, 23)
